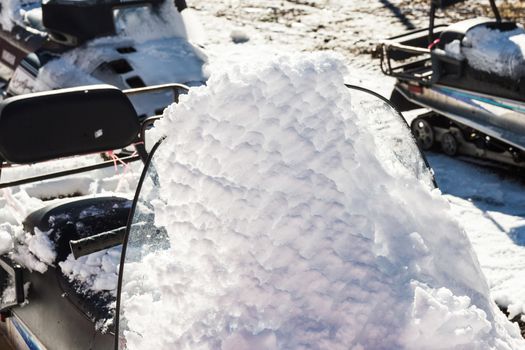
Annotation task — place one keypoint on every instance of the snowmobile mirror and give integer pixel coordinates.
(11, 284)
(67, 122)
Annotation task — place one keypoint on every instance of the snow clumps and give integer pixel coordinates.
(35, 250)
(492, 50)
(495, 51)
(287, 231)
(96, 272)
(239, 37)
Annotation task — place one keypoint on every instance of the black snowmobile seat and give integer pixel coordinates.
(457, 31)
(43, 126)
(72, 22)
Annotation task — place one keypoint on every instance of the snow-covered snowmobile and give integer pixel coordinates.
(471, 76)
(92, 119)
(47, 310)
(56, 44)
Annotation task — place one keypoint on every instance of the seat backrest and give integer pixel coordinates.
(70, 22)
(67, 122)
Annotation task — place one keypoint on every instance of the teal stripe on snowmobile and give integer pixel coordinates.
(28, 338)
(481, 99)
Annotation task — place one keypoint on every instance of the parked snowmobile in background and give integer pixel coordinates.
(125, 43)
(49, 310)
(472, 78)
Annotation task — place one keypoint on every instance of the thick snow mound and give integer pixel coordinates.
(495, 51)
(287, 231)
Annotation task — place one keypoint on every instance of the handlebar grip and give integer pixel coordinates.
(97, 242)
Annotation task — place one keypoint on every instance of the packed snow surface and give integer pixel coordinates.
(287, 231)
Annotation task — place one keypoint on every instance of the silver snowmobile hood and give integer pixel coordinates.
(154, 62)
(126, 63)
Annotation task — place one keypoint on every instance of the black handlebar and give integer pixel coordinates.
(98, 242)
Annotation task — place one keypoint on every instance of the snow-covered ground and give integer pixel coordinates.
(491, 209)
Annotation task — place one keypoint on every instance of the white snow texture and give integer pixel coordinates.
(97, 271)
(492, 51)
(287, 232)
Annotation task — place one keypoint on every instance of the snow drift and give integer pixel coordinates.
(288, 230)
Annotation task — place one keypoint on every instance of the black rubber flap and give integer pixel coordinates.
(67, 122)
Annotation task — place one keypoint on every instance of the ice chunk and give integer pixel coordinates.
(239, 37)
(441, 320)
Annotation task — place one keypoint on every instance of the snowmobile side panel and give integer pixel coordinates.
(58, 315)
(54, 321)
(470, 79)
(21, 336)
(499, 118)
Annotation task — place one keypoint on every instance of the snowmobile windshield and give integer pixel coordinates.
(149, 277)
(398, 149)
